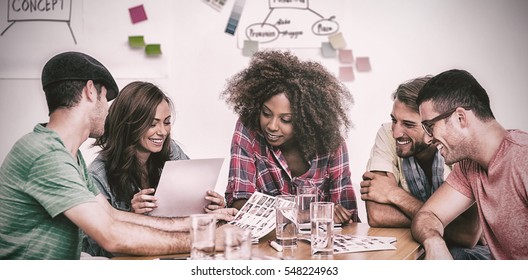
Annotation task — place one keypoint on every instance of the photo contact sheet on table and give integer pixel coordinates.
(258, 216)
(346, 243)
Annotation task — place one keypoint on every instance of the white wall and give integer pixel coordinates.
(404, 39)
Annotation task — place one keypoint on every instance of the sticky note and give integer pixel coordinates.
(327, 50)
(337, 40)
(250, 47)
(346, 74)
(136, 41)
(345, 56)
(137, 14)
(363, 64)
(153, 49)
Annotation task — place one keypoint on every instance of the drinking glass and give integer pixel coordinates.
(321, 217)
(237, 244)
(203, 229)
(306, 194)
(286, 220)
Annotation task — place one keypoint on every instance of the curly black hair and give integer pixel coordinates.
(319, 101)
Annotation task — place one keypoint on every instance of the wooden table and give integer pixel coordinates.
(407, 248)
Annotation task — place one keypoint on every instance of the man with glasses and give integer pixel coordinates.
(491, 169)
(403, 171)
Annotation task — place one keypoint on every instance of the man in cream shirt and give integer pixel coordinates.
(403, 172)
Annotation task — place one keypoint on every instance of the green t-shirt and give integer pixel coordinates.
(39, 180)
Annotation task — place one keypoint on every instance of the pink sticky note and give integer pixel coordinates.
(346, 74)
(363, 64)
(137, 14)
(345, 56)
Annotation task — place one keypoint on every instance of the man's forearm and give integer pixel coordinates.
(426, 225)
(406, 202)
(161, 223)
(397, 213)
(465, 230)
(387, 203)
(385, 215)
(428, 230)
(133, 239)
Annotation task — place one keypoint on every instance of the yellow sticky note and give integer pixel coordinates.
(153, 49)
(337, 40)
(136, 41)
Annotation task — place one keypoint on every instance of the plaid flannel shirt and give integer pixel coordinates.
(257, 166)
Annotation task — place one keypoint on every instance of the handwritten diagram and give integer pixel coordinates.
(32, 10)
(287, 24)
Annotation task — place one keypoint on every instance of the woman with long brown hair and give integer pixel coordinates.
(134, 147)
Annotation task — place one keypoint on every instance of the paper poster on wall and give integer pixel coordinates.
(41, 29)
(29, 11)
(215, 4)
(234, 18)
(289, 24)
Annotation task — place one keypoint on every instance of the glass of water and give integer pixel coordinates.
(203, 229)
(237, 243)
(306, 194)
(322, 220)
(286, 220)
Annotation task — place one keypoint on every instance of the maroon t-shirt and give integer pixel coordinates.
(501, 195)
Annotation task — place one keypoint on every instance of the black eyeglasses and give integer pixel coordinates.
(428, 125)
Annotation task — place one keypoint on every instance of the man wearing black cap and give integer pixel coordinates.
(46, 194)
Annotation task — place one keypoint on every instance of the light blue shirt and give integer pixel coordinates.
(98, 176)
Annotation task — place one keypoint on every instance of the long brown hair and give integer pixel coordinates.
(129, 117)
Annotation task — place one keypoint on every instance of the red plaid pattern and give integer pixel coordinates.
(256, 166)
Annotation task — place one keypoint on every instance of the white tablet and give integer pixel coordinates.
(183, 186)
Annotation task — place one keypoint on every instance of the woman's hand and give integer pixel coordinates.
(224, 215)
(143, 201)
(341, 214)
(217, 201)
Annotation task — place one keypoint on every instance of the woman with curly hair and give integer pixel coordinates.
(134, 147)
(290, 132)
